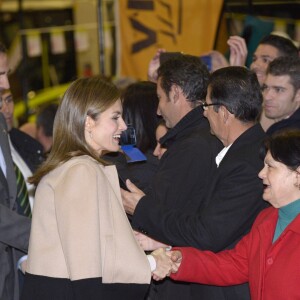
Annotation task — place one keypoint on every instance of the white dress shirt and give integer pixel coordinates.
(221, 154)
(2, 162)
(18, 160)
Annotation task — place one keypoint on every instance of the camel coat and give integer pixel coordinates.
(80, 229)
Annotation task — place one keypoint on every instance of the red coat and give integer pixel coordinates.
(273, 270)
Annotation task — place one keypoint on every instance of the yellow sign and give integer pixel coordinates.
(187, 26)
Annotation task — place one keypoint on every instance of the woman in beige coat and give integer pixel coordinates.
(81, 243)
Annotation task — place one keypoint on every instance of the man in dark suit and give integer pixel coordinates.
(182, 177)
(27, 152)
(14, 229)
(232, 196)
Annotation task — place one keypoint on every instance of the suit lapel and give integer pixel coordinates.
(10, 173)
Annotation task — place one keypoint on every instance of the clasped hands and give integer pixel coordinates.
(167, 262)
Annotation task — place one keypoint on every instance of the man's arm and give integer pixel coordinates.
(227, 215)
(154, 64)
(179, 186)
(14, 229)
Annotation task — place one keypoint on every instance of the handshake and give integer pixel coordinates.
(167, 262)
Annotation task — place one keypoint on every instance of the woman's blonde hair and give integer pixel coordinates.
(84, 97)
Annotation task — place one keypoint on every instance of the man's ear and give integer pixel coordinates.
(297, 96)
(224, 113)
(175, 93)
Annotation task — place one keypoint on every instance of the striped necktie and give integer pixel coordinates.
(22, 194)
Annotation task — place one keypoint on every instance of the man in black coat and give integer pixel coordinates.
(231, 199)
(182, 177)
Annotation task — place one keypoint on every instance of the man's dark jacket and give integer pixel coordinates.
(224, 212)
(293, 122)
(181, 180)
(28, 148)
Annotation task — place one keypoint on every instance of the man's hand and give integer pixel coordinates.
(218, 60)
(238, 51)
(164, 264)
(154, 65)
(131, 199)
(147, 243)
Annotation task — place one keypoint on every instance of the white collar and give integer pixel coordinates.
(221, 154)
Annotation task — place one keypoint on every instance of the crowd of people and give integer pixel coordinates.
(212, 211)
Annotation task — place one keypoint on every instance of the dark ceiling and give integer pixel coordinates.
(281, 9)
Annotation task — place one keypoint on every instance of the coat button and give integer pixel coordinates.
(270, 261)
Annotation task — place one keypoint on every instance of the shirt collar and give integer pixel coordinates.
(221, 155)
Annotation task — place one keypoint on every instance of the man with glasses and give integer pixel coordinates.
(14, 228)
(232, 196)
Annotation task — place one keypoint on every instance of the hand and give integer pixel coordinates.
(176, 257)
(131, 199)
(218, 60)
(147, 243)
(154, 65)
(238, 51)
(164, 264)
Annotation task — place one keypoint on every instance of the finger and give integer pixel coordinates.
(123, 193)
(240, 43)
(174, 256)
(132, 187)
(241, 46)
(156, 278)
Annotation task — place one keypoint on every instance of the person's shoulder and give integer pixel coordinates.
(19, 137)
(200, 138)
(266, 214)
(82, 161)
(249, 142)
(78, 165)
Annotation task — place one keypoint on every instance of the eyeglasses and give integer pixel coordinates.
(206, 105)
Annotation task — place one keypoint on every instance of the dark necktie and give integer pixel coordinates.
(22, 194)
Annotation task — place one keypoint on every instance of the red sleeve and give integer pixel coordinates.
(225, 268)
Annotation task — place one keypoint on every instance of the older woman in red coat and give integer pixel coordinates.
(269, 256)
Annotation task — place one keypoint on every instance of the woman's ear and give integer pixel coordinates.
(89, 122)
